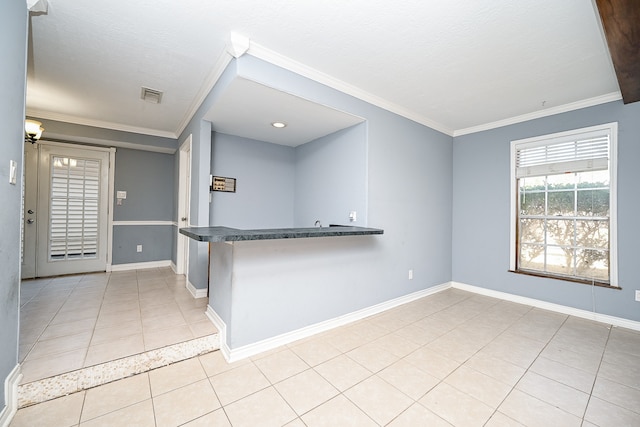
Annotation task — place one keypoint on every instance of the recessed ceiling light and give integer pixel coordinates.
(279, 125)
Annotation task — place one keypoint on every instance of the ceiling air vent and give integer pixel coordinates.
(151, 95)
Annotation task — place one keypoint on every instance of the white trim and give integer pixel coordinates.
(613, 204)
(584, 314)
(567, 135)
(610, 129)
(10, 396)
(282, 61)
(141, 265)
(222, 332)
(233, 355)
(111, 190)
(221, 64)
(171, 223)
(173, 267)
(195, 292)
(289, 337)
(513, 203)
(49, 115)
(111, 143)
(184, 210)
(70, 144)
(603, 99)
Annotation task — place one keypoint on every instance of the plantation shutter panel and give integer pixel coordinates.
(75, 185)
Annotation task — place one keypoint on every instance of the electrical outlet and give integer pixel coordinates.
(139, 248)
(411, 274)
(353, 216)
(637, 295)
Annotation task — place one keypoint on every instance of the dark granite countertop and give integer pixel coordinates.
(226, 234)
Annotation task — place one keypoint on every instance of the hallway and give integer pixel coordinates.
(73, 322)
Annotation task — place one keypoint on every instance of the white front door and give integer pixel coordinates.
(66, 230)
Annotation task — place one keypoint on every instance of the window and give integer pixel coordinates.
(563, 205)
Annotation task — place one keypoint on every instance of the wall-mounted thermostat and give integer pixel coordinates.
(221, 183)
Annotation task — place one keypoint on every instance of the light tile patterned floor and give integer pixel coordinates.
(453, 358)
(77, 321)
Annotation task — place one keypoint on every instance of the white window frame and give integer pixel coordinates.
(612, 130)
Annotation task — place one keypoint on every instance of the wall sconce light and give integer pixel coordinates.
(32, 131)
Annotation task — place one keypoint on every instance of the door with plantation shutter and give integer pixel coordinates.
(72, 210)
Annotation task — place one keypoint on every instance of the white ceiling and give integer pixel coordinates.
(455, 65)
(248, 109)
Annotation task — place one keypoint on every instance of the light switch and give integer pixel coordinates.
(121, 194)
(13, 172)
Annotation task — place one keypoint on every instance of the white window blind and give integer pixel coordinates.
(583, 152)
(75, 185)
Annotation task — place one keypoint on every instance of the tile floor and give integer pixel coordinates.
(453, 358)
(72, 322)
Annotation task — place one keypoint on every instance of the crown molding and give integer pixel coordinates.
(590, 102)
(38, 6)
(49, 115)
(282, 61)
(221, 64)
(55, 137)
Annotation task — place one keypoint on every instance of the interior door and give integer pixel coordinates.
(70, 215)
(184, 200)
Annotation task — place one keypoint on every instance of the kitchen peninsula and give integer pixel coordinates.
(270, 286)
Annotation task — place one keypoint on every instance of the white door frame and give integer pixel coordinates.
(184, 189)
(29, 208)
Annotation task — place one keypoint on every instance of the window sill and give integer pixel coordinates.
(566, 279)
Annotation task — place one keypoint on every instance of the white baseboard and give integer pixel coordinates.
(195, 292)
(232, 355)
(585, 314)
(140, 265)
(221, 326)
(174, 267)
(10, 396)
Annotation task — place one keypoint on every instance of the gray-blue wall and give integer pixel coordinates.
(409, 181)
(157, 243)
(331, 179)
(13, 48)
(149, 180)
(265, 178)
(200, 132)
(481, 211)
(281, 186)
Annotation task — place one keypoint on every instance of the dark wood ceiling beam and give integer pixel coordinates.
(621, 23)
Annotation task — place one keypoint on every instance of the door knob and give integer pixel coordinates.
(30, 221)
(184, 218)
(30, 211)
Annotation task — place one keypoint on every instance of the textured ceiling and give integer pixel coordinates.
(248, 109)
(456, 65)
